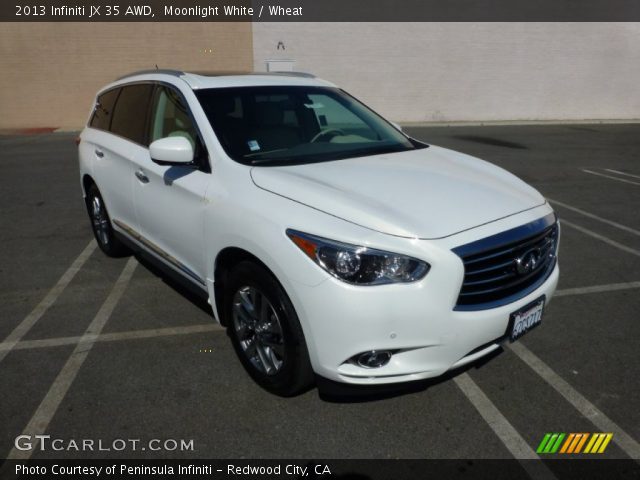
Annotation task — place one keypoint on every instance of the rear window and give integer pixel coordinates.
(103, 110)
(130, 114)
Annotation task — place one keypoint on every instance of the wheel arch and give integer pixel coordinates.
(226, 259)
(87, 182)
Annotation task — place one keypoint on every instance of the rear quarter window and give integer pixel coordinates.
(130, 113)
(103, 110)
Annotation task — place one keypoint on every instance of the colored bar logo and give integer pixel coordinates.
(574, 443)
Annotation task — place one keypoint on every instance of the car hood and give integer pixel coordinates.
(426, 193)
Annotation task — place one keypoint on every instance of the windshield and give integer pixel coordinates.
(293, 125)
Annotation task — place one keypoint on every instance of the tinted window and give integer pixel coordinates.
(103, 110)
(130, 114)
(292, 125)
(170, 117)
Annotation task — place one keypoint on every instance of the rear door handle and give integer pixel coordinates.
(142, 177)
(99, 153)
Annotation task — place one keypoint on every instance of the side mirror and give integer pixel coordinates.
(171, 151)
(396, 125)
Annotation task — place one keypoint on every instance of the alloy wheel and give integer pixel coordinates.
(100, 220)
(258, 330)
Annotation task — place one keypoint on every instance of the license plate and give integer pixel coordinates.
(523, 320)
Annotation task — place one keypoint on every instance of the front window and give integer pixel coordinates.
(293, 125)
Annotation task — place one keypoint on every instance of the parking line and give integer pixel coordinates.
(621, 173)
(214, 327)
(117, 336)
(509, 436)
(595, 217)
(610, 177)
(47, 409)
(579, 402)
(30, 320)
(602, 238)
(611, 287)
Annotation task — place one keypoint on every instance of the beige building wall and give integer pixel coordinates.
(51, 71)
(439, 72)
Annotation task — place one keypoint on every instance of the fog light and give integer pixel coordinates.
(374, 358)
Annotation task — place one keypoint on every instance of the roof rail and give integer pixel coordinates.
(219, 73)
(288, 74)
(179, 73)
(175, 73)
(231, 72)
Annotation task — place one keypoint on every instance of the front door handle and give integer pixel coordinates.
(142, 177)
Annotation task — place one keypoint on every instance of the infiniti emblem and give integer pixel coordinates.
(527, 262)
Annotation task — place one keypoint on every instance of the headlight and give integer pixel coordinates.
(359, 265)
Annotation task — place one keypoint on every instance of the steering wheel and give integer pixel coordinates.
(329, 133)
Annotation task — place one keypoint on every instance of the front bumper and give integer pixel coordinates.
(416, 321)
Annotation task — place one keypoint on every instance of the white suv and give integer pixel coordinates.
(327, 241)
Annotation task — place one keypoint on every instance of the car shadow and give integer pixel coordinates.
(496, 142)
(328, 390)
(175, 173)
(176, 283)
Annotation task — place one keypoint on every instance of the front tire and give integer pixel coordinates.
(265, 331)
(101, 225)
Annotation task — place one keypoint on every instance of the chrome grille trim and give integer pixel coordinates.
(491, 276)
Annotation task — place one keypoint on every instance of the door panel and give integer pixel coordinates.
(170, 200)
(170, 205)
(113, 169)
(117, 141)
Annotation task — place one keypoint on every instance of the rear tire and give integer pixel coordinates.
(265, 331)
(101, 225)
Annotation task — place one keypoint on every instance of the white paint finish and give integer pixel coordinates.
(469, 71)
(623, 180)
(508, 435)
(340, 320)
(611, 287)
(602, 238)
(622, 173)
(198, 81)
(56, 393)
(30, 320)
(172, 149)
(115, 336)
(595, 217)
(579, 402)
(189, 330)
(391, 193)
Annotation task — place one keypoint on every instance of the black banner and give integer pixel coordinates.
(591, 469)
(320, 10)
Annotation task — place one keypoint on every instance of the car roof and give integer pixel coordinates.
(200, 80)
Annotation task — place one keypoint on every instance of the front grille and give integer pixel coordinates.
(506, 267)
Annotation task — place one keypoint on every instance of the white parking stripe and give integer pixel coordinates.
(214, 327)
(580, 403)
(514, 442)
(622, 173)
(602, 238)
(610, 177)
(611, 287)
(35, 315)
(47, 409)
(117, 336)
(595, 217)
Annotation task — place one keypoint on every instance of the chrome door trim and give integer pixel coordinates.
(153, 248)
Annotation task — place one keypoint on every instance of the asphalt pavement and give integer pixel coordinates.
(161, 369)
